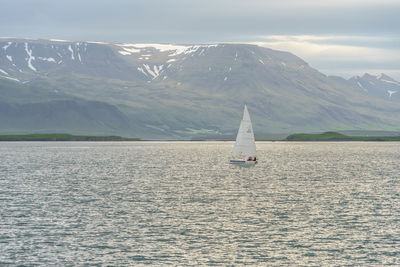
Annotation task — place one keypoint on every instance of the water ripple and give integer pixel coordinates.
(180, 203)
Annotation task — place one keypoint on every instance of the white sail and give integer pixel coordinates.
(245, 145)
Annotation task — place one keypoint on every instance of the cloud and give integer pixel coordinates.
(332, 35)
(327, 47)
(191, 21)
(340, 54)
(339, 3)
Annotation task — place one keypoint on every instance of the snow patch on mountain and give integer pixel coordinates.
(360, 85)
(49, 59)
(157, 69)
(9, 58)
(96, 42)
(392, 82)
(10, 78)
(154, 72)
(7, 46)
(185, 50)
(60, 41)
(174, 50)
(79, 56)
(72, 52)
(30, 57)
(391, 93)
(4, 72)
(141, 70)
(127, 51)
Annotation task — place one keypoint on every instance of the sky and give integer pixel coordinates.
(337, 37)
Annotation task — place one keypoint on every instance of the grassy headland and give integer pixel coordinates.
(334, 136)
(62, 137)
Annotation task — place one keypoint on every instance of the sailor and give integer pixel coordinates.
(250, 158)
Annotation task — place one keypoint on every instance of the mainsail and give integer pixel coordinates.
(245, 145)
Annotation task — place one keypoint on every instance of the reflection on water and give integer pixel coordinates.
(181, 203)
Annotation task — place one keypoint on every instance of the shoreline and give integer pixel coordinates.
(62, 137)
(323, 137)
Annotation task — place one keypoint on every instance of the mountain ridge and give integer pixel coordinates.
(175, 91)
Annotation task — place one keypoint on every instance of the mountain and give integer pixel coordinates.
(27, 109)
(381, 86)
(181, 91)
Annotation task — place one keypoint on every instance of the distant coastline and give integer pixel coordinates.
(334, 136)
(327, 136)
(62, 137)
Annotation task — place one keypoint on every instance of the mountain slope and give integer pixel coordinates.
(175, 91)
(381, 86)
(28, 109)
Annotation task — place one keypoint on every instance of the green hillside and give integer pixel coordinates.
(63, 137)
(334, 136)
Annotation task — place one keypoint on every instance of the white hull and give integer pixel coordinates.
(243, 162)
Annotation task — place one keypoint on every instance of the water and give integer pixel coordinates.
(181, 203)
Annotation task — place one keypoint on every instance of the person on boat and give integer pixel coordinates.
(250, 158)
(255, 159)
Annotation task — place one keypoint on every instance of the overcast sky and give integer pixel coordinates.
(344, 37)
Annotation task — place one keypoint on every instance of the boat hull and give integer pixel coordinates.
(243, 162)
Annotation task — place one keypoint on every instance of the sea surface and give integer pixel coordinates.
(181, 203)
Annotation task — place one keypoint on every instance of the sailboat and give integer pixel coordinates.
(244, 151)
